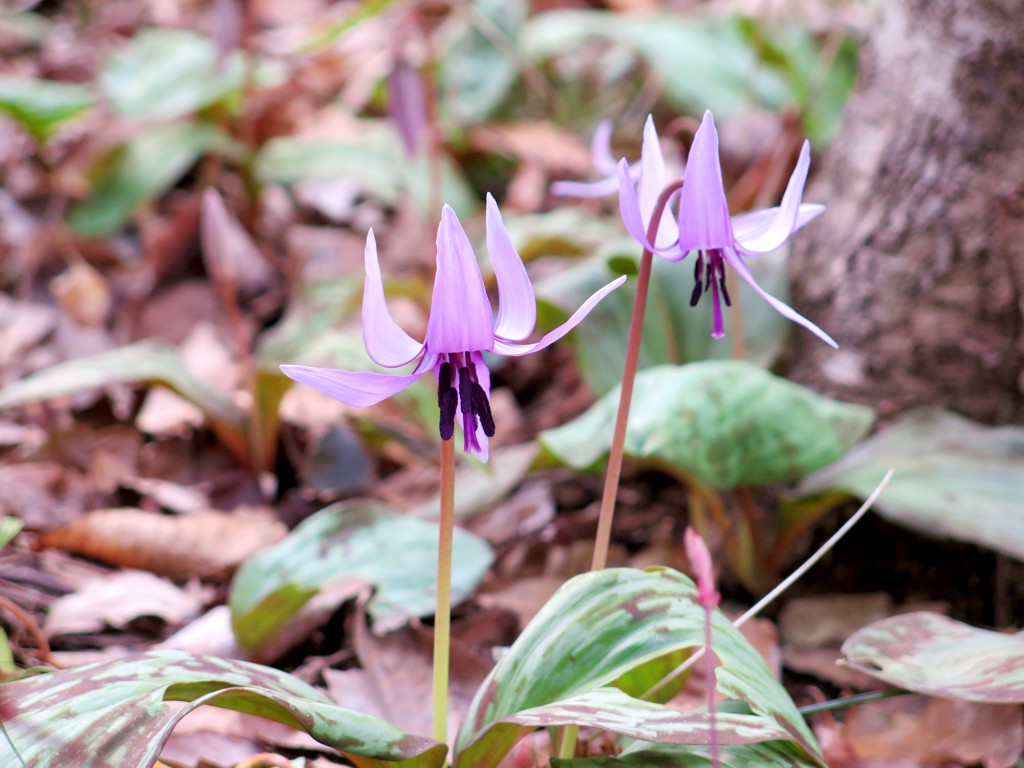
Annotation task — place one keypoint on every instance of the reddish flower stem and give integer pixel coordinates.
(443, 614)
(711, 682)
(636, 327)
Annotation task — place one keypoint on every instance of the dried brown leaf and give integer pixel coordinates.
(937, 731)
(205, 545)
(117, 599)
(83, 294)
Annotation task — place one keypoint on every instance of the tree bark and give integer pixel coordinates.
(917, 266)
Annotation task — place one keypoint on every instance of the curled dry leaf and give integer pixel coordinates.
(205, 545)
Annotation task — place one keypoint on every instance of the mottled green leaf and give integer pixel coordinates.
(675, 46)
(375, 160)
(142, 170)
(932, 654)
(481, 64)
(592, 632)
(42, 105)
(167, 73)
(726, 423)
(674, 332)
(771, 754)
(609, 709)
(951, 478)
(348, 542)
(142, 363)
(115, 714)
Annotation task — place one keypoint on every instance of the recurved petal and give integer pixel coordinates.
(629, 208)
(517, 305)
(517, 350)
(788, 312)
(653, 178)
(601, 149)
(586, 189)
(386, 343)
(783, 223)
(357, 390)
(460, 312)
(703, 212)
(752, 226)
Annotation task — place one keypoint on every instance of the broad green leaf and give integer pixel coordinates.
(952, 478)
(771, 754)
(142, 170)
(726, 423)
(142, 363)
(349, 542)
(675, 46)
(375, 160)
(168, 73)
(594, 630)
(115, 714)
(42, 105)
(673, 332)
(481, 64)
(935, 655)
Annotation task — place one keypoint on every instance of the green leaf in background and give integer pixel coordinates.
(770, 754)
(345, 543)
(42, 105)
(115, 714)
(594, 630)
(375, 160)
(935, 655)
(674, 332)
(675, 47)
(797, 55)
(142, 170)
(725, 423)
(9, 528)
(142, 363)
(952, 478)
(481, 63)
(168, 73)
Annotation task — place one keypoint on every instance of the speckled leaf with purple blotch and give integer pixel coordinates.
(594, 630)
(115, 714)
(933, 654)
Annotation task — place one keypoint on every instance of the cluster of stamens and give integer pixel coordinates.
(470, 398)
(713, 277)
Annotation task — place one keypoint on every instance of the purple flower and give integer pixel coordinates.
(706, 227)
(604, 162)
(461, 326)
(651, 172)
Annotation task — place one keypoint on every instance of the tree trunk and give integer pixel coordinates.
(917, 267)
